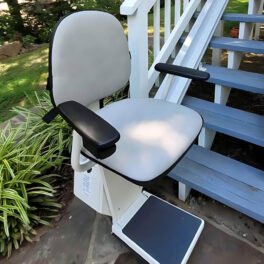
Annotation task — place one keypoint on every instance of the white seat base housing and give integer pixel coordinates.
(154, 136)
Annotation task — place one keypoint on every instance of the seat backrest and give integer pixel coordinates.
(89, 58)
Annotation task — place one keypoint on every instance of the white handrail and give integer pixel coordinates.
(174, 88)
(129, 7)
(137, 17)
(170, 44)
(195, 46)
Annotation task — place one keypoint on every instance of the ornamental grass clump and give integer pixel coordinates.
(31, 157)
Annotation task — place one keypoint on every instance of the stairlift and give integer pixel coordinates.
(118, 148)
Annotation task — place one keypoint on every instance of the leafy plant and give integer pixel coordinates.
(31, 156)
(7, 27)
(27, 40)
(58, 132)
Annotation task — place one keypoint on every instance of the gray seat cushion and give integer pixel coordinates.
(154, 136)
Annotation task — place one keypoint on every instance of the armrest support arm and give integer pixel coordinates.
(182, 71)
(99, 137)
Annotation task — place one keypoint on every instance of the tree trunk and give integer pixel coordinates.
(15, 12)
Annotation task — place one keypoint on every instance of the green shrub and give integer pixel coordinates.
(110, 6)
(31, 156)
(40, 18)
(7, 27)
(27, 40)
(59, 132)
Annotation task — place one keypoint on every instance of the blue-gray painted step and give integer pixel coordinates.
(234, 44)
(248, 81)
(230, 121)
(239, 17)
(243, 18)
(226, 180)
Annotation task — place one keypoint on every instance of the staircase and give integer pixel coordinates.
(231, 182)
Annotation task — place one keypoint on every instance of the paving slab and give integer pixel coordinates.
(66, 243)
(104, 246)
(84, 237)
(217, 247)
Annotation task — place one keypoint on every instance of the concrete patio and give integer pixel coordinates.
(84, 237)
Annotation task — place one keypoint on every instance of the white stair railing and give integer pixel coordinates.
(142, 79)
(174, 88)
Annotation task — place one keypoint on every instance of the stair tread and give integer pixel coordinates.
(235, 44)
(240, 17)
(248, 81)
(230, 121)
(253, 18)
(231, 182)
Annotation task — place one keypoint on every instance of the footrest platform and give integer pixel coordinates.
(161, 232)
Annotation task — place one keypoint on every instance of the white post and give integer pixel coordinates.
(184, 191)
(177, 16)
(177, 13)
(216, 53)
(257, 26)
(254, 7)
(206, 138)
(138, 46)
(185, 5)
(167, 19)
(156, 25)
(156, 37)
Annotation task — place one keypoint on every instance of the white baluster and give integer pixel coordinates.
(156, 37)
(167, 19)
(156, 25)
(185, 5)
(177, 14)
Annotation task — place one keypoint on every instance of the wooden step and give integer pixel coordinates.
(231, 182)
(248, 81)
(234, 44)
(230, 121)
(248, 18)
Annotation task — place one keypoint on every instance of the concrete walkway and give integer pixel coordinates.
(84, 237)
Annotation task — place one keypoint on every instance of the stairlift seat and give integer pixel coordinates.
(135, 139)
(154, 134)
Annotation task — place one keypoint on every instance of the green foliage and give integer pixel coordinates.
(40, 18)
(27, 40)
(110, 6)
(30, 158)
(7, 27)
(57, 133)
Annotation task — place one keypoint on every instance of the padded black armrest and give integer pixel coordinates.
(182, 71)
(99, 137)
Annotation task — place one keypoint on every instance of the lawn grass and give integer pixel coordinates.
(22, 75)
(27, 73)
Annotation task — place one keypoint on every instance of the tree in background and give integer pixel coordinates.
(15, 12)
(36, 19)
